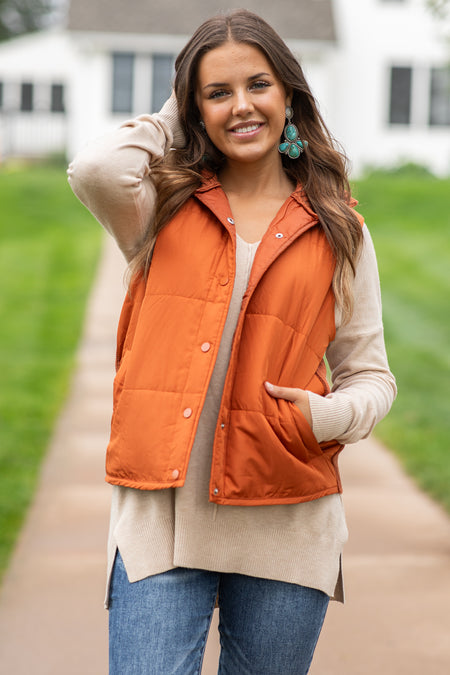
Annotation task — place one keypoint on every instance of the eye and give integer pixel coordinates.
(218, 93)
(260, 84)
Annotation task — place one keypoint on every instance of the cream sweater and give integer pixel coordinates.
(158, 530)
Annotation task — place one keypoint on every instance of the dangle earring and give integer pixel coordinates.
(202, 125)
(292, 145)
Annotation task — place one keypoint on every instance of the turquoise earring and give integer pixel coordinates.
(292, 146)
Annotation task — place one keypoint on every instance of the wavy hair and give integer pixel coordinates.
(321, 171)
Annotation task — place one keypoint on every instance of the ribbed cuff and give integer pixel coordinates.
(331, 415)
(169, 115)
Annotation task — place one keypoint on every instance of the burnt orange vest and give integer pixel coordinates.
(169, 332)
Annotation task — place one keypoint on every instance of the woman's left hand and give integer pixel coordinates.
(297, 396)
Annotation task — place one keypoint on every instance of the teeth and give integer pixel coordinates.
(246, 130)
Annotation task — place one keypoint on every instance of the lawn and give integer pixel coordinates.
(408, 215)
(49, 246)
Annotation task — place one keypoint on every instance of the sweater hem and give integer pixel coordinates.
(317, 563)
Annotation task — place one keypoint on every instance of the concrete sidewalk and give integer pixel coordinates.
(52, 622)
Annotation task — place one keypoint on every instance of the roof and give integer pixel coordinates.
(293, 19)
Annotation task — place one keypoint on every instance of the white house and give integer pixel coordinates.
(129, 49)
(379, 69)
(392, 84)
(35, 72)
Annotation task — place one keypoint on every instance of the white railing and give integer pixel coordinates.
(32, 134)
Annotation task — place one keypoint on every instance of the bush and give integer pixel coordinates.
(404, 170)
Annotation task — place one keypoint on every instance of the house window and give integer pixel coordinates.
(440, 97)
(123, 82)
(400, 99)
(162, 79)
(57, 98)
(26, 97)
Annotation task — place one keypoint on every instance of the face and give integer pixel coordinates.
(242, 103)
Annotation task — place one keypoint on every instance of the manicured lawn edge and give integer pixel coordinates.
(49, 249)
(409, 219)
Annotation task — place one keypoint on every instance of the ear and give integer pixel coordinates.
(289, 96)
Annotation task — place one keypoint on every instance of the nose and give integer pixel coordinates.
(242, 103)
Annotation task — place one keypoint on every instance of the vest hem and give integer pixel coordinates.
(263, 501)
(142, 485)
(228, 501)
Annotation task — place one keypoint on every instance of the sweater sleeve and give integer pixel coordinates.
(363, 388)
(112, 175)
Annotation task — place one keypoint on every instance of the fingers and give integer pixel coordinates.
(288, 393)
(297, 396)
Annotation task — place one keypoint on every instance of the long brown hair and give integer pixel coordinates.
(321, 170)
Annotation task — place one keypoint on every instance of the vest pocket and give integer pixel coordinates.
(296, 434)
(275, 458)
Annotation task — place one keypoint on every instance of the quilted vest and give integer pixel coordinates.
(169, 332)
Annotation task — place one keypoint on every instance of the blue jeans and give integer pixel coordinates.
(159, 626)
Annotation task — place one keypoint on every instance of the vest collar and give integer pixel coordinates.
(211, 182)
(294, 218)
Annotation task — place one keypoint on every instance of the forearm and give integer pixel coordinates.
(112, 175)
(363, 386)
(356, 404)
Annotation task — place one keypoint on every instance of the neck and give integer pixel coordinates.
(254, 179)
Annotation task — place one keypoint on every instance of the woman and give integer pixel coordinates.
(248, 267)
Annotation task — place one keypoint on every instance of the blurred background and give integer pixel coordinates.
(71, 69)
(379, 69)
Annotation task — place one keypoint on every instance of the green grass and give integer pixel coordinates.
(409, 218)
(49, 247)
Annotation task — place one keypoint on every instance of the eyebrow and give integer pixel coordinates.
(225, 84)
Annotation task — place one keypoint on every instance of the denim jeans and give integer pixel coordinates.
(159, 626)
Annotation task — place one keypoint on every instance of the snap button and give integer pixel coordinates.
(216, 491)
(231, 221)
(223, 281)
(206, 346)
(175, 474)
(187, 412)
(279, 235)
(222, 426)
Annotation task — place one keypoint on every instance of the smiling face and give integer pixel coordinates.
(242, 103)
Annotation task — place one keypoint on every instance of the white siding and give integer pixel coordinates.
(374, 36)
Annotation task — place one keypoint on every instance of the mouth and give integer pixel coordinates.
(246, 129)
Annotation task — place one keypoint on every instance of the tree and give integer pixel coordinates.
(440, 8)
(26, 16)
